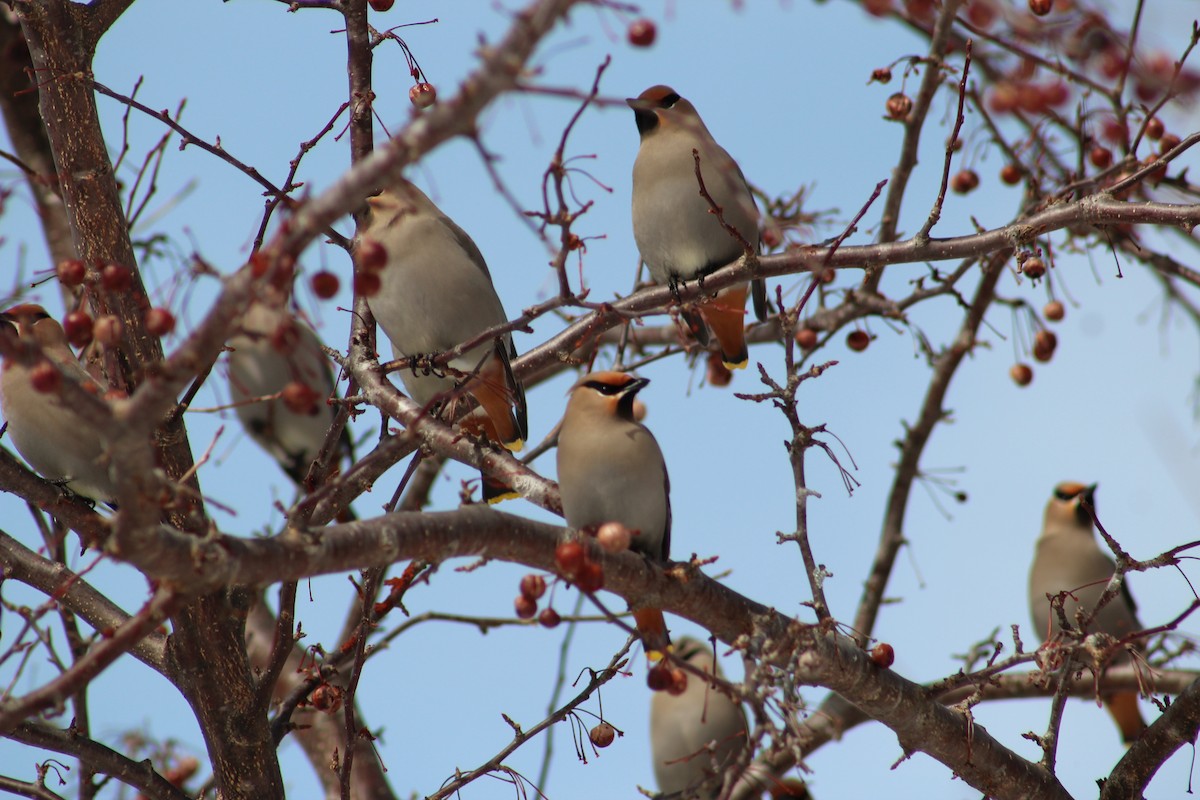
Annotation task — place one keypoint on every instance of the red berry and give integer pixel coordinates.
(1054, 311)
(533, 586)
(325, 284)
(1101, 157)
(71, 272)
(1033, 268)
(858, 340)
(370, 255)
(549, 618)
(1003, 98)
(877, 8)
(806, 338)
(981, 13)
(108, 330)
(964, 181)
(422, 95)
(1168, 142)
(642, 32)
(526, 607)
(78, 328)
(327, 698)
(1154, 129)
(679, 680)
(1010, 174)
(1041, 7)
(590, 577)
(159, 322)
(1044, 343)
(881, 75)
(717, 373)
(898, 106)
(381, 5)
(568, 557)
(367, 284)
(614, 537)
(1022, 374)
(659, 678)
(44, 378)
(115, 278)
(285, 337)
(603, 734)
(301, 399)
(882, 655)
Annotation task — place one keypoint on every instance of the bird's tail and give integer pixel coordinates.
(1124, 709)
(726, 315)
(653, 629)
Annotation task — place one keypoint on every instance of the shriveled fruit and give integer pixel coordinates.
(533, 586)
(422, 95)
(526, 607)
(899, 105)
(1033, 267)
(964, 181)
(300, 398)
(159, 322)
(602, 735)
(1022, 374)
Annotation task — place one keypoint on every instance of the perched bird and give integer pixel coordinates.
(679, 237)
(610, 469)
(273, 353)
(695, 736)
(59, 444)
(436, 293)
(1069, 559)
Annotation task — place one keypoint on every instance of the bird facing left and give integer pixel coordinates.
(436, 293)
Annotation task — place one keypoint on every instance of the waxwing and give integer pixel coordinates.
(59, 444)
(610, 469)
(1068, 558)
(680, 239)
(270, 352)
(697, 735)
(436, 293)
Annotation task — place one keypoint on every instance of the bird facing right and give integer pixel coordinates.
(695, 736)
(1069, 559)
(56, 441)
(678, 236)
(611, 469)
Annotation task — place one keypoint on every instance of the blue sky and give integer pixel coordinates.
(783, 86)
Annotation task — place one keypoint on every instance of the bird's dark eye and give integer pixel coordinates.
(670, 100)
(1064, 495)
